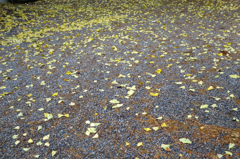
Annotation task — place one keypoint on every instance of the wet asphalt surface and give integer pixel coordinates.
(83, 80)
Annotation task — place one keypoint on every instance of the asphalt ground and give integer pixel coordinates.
(120, 79)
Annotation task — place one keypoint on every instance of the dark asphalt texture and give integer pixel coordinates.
(71, 59)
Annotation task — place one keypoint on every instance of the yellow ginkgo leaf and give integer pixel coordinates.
(39, 143)
(95, 136)
(55, 94)
(30, 141)
(178, 82)
(117, 105)
(114, 101)
(67, 115)
(231, 145)
(185, 141)
(154, 94)
(47, 144)
(17, 142)
(147, 129)
(159, 71)
(48, 99)
(60, 115)
(114, 48)
(46, 137)
(54, 153)
(95, 124)
(164, 125)
(203, 106)
(15, 136)
(26, 149)
(139, 144)
(127, 143)
(234, 76)
(155, 128)
(68, 72)
(228, 152)
(210, 88)
(3, 87)
(48, 116)
(131, 92)
(72, 104)
(92, 130)
(165, 147)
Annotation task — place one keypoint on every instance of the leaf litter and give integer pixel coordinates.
(182, 56)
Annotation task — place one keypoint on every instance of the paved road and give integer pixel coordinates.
(120, 79)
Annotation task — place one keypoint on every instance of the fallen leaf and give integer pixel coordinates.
(95, 136)
(210, 88)
(39, 143)
(54, 153)
(39, 127)
(127, 143)
(92, 130)
(17, 142)
(163, 125)
(30, 141)
(72, 104)
(219, 155)
(185, 141)
(20, 114)
(67, 115)
(234, 76)
(131, 92)
(68, 72)
(139, 144)
(60, 115)
(17, 127)
(166, 147)
(55, 94)
(117, 105)
(46, 137)
(203, 106)
(159, 71)
(154, 94)
(155, 128)
(182, 87)
(36, 156)
(48, 116)
(48, 99)
(228, 152)
(178, 82)
(40, 109)
(114, 101)
(15, 136)
(231, 145)
(3, 87)
(214, 105)
(26, 149)
(147, 129)
(159, 118)
(47, 144)
(95, 124)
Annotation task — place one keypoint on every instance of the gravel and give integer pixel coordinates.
(101, 43)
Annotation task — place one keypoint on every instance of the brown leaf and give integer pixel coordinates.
(224, 53)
